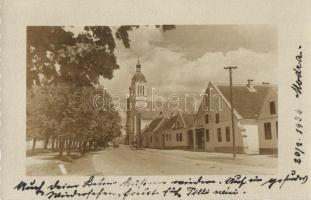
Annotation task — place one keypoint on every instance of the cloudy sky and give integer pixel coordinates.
(187, 58)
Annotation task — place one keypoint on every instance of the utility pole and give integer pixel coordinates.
(230, 68)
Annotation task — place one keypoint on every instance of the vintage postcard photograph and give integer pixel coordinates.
(152, 100)
(155, 100)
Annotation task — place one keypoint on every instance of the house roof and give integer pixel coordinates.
(189, 119)
(153, 124)
(247, 103)
(152, 112)
(168, 123)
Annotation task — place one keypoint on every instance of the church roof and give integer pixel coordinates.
(139, 77)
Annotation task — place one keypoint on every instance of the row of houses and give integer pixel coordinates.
(209, 129)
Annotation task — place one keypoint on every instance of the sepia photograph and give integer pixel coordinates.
(156, 100)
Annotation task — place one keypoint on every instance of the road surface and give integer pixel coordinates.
(125, 161)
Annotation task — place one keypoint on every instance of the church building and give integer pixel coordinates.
(136, 105)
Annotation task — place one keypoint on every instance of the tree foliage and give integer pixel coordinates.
(62, 72)
(68, 111)
(56, 55)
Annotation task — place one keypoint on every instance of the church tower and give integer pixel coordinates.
(136, 103)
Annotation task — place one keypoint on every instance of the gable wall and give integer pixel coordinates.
(218, 105)
(268, 145)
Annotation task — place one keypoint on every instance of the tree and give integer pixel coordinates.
(56, 55)
(62, 72)
(67, 113)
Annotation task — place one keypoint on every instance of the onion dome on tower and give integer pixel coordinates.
(138, 76)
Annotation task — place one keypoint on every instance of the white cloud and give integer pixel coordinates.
(170, 71)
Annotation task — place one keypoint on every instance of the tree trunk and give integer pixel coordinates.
(34, 140)
(61, 146)
(53, 140)
(69, 143)
(65, 143)
(90, 145)
(46, 142)
(58, 142)
(80, 145)
(96, 145)
(84, 147)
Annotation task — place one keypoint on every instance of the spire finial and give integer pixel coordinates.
(138, 66)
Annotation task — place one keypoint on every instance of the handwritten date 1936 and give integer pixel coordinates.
(298, 152)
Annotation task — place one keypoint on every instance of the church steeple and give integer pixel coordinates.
(138, 66)
(136, 103)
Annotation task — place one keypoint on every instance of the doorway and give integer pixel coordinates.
(200, 139)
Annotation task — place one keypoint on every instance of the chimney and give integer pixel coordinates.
(250, 85)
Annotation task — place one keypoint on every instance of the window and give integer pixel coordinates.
(207, 135)
(128, 104)
(150, 139)
(227, 134)
(217, 118)
(268, 135)
(143, 90)
(219, 134)
(166, 137)
(277, 129)
(179, 137)
(157, 139)
(169, 137)
(272, 108)
(206, 119)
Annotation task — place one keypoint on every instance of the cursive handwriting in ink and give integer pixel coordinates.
(227, 191)
(91, 182)
(145, 192)
(59, 186)
(172, 190)
(192, 191)
(291, 177)
(237, 179)
(23, 186)
(297, 86)
(194, 182)
(298, 152)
